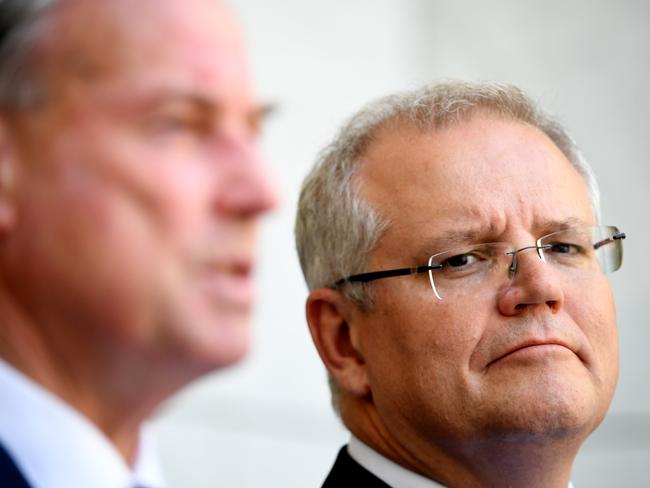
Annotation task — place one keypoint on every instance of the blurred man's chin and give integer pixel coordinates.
(226, 342)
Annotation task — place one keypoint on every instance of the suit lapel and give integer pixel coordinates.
(10, 475)
(346, 472)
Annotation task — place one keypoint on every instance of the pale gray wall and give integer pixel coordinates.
(267, 423)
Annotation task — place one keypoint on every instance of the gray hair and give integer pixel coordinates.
(336, 230)
(21, 27)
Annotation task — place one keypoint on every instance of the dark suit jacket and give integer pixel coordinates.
(346, 472)
(10, 476)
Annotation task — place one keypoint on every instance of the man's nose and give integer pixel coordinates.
(534, 283)
(247, 186)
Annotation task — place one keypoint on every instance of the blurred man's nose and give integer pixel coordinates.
(247, 186)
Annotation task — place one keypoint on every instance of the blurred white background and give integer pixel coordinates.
(267, 422)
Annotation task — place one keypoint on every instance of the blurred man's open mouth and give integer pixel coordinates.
(229, 283)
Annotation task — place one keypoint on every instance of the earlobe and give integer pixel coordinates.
(336, 340)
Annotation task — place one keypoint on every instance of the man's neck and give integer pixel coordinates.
(115, 393)
(42, 433)
(109, 414)
(476, 464)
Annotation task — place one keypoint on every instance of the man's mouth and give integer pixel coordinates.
(534, 349)
(229, 282)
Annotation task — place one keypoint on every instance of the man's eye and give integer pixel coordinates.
(564, 248)
(173, 124)
(176, 124)
(460, 260)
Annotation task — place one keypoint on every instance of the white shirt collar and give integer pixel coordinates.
(55, 446)
(388, 471)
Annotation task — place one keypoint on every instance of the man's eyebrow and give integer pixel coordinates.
(553, 225)
(260, 113)
(263, 111)
(452, 238)
(257, 112)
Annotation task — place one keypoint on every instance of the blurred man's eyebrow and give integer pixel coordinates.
(258, 111)
(259, 114)
(264, 110)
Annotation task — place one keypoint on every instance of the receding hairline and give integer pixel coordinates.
(405, 124)
(407, 120)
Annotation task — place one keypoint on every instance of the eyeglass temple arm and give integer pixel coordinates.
(616, 237)
(389, 273)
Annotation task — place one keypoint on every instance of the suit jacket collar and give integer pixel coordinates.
(347, 472)
(365, 466)
(10, 475)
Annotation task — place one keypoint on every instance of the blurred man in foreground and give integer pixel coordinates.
(450, 238)
(130, 189)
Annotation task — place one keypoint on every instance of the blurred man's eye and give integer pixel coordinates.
(258, 117)
(173, 124)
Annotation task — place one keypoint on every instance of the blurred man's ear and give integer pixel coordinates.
(337, 340)
(7, 175)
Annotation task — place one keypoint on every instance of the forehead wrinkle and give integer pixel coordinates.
(453, 238)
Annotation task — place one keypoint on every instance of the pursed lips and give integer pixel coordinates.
(534, 343)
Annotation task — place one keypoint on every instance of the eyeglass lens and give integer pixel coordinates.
(574, 252)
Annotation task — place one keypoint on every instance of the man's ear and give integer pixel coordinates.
(7, 180)
(337, 341)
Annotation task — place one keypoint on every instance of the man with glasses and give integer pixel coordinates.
(451, 241)
(131, 185)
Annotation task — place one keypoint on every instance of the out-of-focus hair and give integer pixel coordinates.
(22, 25)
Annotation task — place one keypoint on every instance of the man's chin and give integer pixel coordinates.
(544, 418)
(227, 343)
(210, 342)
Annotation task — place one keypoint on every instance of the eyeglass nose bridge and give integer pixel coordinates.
(512, 269)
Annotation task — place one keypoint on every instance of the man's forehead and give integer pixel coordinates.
(123, 51)
(401, 151)
(90, 38)
(132, 9)
(486, 171)
(89, 15)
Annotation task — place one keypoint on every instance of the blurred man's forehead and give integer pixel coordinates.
(90, 39)
(128, 50)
